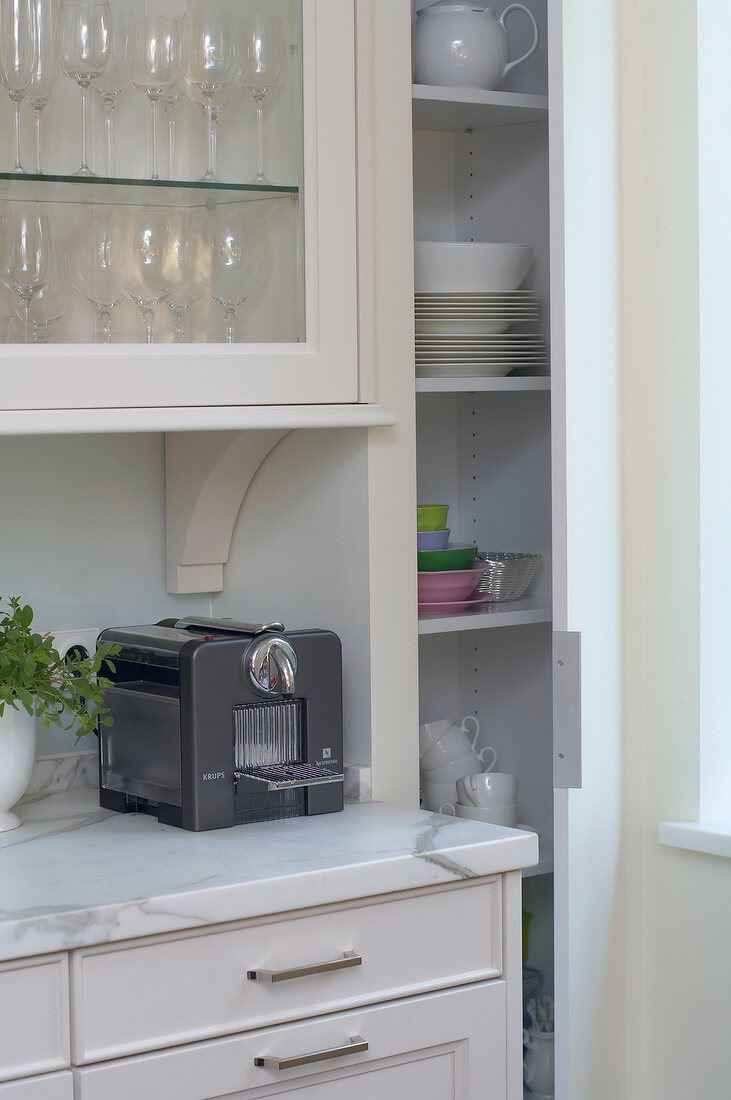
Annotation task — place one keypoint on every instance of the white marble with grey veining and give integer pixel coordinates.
(63, 771)
(74, 875)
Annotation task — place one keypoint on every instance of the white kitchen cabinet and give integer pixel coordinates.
(34, 995)
(302, 343)
(46, 1086)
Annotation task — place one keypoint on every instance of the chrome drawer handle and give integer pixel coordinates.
(356, 1045)
(349, 959)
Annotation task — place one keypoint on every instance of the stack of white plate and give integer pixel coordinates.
(465, 334)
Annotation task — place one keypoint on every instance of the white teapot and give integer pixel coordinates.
(464, 45)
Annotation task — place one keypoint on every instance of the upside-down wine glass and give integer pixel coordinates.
(83, 44)
(189, 268)
(240, 259)
(139, 256)
(155, 66)
(208, 68)
(260, 69)
(47, 67)
(110, 84)
(26, 251)
(48, 305)
(90, 271)
(18, 58)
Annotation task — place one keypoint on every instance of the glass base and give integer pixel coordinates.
(84, 171)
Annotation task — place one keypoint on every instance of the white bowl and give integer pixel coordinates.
(470, 266)
(503, 815)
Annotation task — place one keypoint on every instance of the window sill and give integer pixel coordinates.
(710, 836)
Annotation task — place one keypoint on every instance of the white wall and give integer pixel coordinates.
(678, 903)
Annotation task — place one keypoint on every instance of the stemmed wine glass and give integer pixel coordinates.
(18, 58)
(189, 271)
(155, 66)
(47, 67)
(170, 106)
(208, 68)
(26, 251)
(110, 84)
(48, 305)
(260, 69)
(240, 259)
(91, 275)
(139, 256)
(83, 44)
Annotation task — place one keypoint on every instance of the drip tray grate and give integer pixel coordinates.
(281, 776)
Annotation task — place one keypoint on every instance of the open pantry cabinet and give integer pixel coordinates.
(529, 463)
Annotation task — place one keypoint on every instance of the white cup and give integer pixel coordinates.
(455, 769)
(452, 744)
(488, 789)
(495, 815)
(430, 733)
(538, 1062)
(436, 795)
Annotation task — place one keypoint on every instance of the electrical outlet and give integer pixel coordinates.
(84, 638)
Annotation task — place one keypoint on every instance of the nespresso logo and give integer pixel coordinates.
(212, 775)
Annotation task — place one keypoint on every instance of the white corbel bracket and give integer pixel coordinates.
(207, 476)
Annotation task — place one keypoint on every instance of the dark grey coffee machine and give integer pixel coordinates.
(219, 723)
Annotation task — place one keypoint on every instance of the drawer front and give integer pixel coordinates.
(34, 1008)
(438, 1045)
(183, 988)
(50, 1086)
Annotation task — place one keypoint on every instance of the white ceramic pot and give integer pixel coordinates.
(459, 45)
(538, 1062)
(17, 756)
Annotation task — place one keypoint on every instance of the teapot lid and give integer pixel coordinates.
(453, 6)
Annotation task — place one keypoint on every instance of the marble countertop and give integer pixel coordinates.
(75, 874)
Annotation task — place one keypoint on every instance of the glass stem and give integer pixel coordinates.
(148, 317)
(17, 167)
(171, 139)
(260, 177)
(105, 316)
(181, 319)
(84, 88)
(37, 108)
(109, 134)
(153, 137)
(26, 318)
(210, 119)
(230, 319)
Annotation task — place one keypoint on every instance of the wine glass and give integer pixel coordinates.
(189, 271)
(260, 69)
(110, 84)
(170, 106)
(48, 305)
(208, 67)
(18, 58)
(83, 45)
(90, 271)
(155, 66)
(240, 260)
(26, 251)
(47, 67)
(139, 255)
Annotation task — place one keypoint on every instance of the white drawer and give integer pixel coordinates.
(34, 1008)
(438, 1045)
(50, 1086)
(177, 989)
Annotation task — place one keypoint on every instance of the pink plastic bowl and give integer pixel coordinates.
(448, 585)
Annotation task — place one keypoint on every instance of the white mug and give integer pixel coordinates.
(450, 773)
(435, 795)
(452, 744)
(491, 815)
(488, 789)
(538, 1062)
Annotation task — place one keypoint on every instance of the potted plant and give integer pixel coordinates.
(36, 682)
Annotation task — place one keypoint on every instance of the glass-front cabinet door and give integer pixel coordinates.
(178, 203)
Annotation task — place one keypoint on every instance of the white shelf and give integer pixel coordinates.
(213, 418)
(488, 616)
(545, 859)
(455, 109)
(481, 385)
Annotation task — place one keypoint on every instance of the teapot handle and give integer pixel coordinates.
(519, 7)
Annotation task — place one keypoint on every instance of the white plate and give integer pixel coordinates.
(458, 605)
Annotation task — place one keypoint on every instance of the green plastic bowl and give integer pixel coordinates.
(458, 555)
(431, 517)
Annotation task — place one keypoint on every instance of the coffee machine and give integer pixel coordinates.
(218, 723)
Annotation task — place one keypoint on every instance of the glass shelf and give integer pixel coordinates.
(132, 192)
